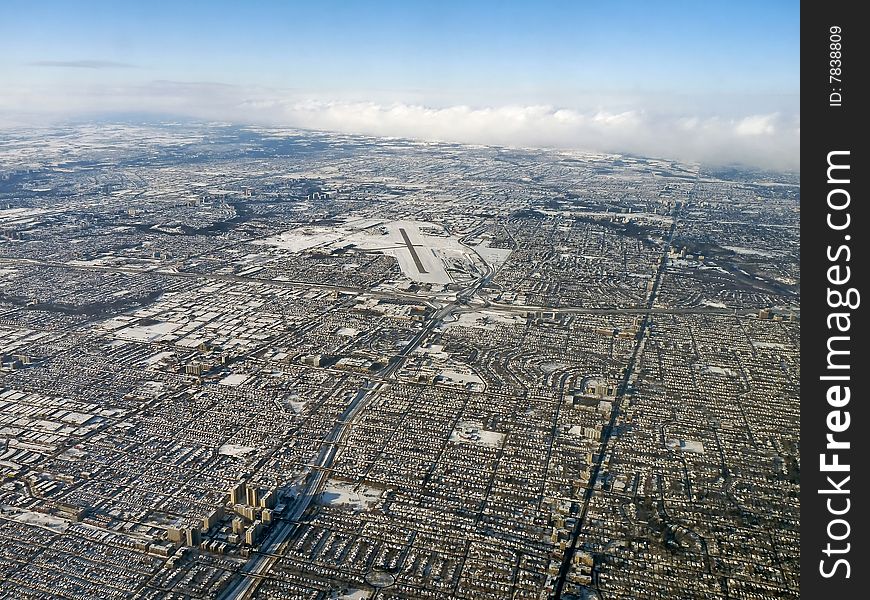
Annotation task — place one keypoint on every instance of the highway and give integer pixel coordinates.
(167, 272)
(251, 574)
(607, 432)
(427, 299)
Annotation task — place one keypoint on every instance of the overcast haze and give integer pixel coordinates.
(707, 81)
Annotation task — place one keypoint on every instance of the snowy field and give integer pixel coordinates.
(494, 256)
(156, 358)
(718, 370)
(472, 432)
(431, 250)
(714, 304)
(234, 380)
(356, 496)
(462, 379)
(576, 430)
(35, 518)
(484, 319)
(147, 333)
(691, 446)
(149, 389)
(752, 251)
(304, 238)
(354, 594)
(235, 450)
(434, 249)
(774, 345)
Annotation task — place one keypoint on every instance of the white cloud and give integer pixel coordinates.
(764, 140)
(757, 125)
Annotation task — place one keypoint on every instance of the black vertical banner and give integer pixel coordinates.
(835, 425)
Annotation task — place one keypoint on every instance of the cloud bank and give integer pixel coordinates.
(768, 140)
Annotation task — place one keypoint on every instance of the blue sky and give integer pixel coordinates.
(725, 60)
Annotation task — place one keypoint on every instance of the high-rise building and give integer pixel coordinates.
(175, 534)
(253, 533)
(237, 492)
(268, 499)
(253, 495)
(192, 536)
(193, 369)
(213, 518)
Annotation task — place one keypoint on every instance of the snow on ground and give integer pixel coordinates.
(73, 454)
(293, 401)
(751, 251)
(156, 358)
(494, 256)
(343, 493)
(149, 389)
(76, 418)
(148, 333)
(633, 216)
(94, 262)
(348, 332)
(472, 432)
(354, 594)
(434, 270)
(35, 518)
(235, 450)
(692, 446)
(460, 378)
(303, 238)
(434, 249)
(769, 345)
(551, 366)
(8, 213)
(484, 319)
(714, 304)
(431, 250)
(718, 370)
(234, 380)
